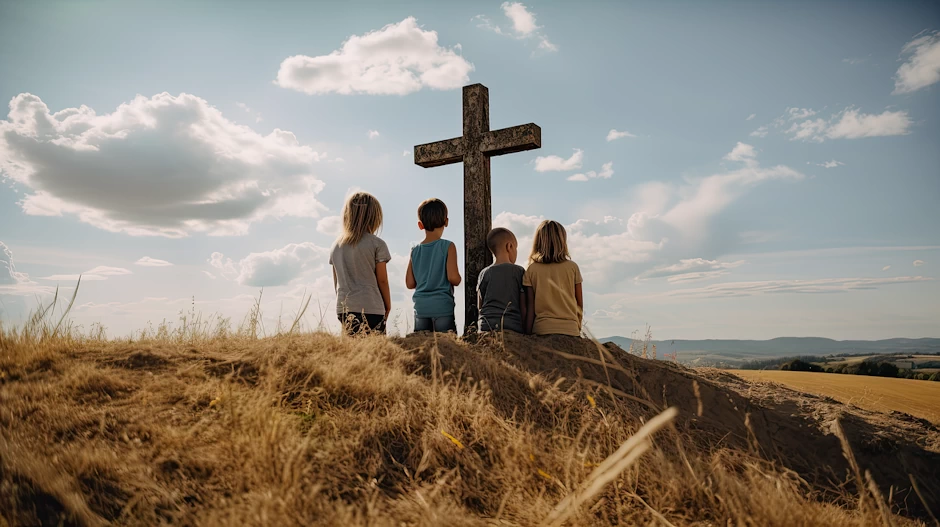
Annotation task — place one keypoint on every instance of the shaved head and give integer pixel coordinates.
(498, 238)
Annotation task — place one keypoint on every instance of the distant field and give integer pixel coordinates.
(920, 398)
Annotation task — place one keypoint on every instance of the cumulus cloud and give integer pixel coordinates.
(147, 261)
(922, 67)
(613, 135)
(607, 170)
(271, 268)
(8, 273)
(830, 164)
(918, 263)
(741, 152)
(330, 225)
(851, 124)
(749, 117)
(398, 59)
(102, 272)
(885, 268)
(559, 164)
(761, 131)
(373, 134)
(523, 25)
(165, 165)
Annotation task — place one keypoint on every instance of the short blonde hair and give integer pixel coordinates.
(550, 244)
(362, 214)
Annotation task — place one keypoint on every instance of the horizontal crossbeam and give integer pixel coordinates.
(513, 139)
(439, 153)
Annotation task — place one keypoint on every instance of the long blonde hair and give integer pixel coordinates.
(550, 244)
(362, 214)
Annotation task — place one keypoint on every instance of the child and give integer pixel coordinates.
(432, 271)
(499, 289)
(359, 260)
(553, 284)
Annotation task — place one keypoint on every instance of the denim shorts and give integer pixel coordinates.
(436, 324)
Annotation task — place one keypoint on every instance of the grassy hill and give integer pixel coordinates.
(314, 429)
(734, 352)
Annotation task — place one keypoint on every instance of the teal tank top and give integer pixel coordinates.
(434, 296)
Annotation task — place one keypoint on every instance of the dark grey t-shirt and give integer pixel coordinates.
(357, 290)
(500, 287)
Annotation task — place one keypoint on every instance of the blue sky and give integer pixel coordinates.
(725, 170)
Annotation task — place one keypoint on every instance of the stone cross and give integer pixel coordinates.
(475, 148)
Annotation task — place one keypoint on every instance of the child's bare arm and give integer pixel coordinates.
(580, 299)
(410, 281)
(453, 273)
(530, 314)
(381, 276)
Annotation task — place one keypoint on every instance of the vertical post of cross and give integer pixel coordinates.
(477, 204)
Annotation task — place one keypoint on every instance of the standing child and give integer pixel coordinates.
(553, 284)
(359, 260)
(432, 271)
(499, 290)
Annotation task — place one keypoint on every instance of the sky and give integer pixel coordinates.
(723, 169)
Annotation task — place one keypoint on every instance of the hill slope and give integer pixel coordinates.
(316, 429)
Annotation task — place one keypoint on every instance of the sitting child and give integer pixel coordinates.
(553, 284)
(499, 289)
(359, 260)
(432, 271)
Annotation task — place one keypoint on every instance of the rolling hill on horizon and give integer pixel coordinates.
(711, 352)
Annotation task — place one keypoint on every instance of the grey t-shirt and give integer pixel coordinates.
(500, 287)
(357, 290)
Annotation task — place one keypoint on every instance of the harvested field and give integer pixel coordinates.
(915, 397)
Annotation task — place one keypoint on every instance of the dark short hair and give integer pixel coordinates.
(497, 237)
(432, 213)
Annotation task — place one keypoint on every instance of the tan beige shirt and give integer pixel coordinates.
(556, 309)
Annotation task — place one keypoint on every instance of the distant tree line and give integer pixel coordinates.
(874, 368)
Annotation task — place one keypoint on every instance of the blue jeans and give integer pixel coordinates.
(436, 324)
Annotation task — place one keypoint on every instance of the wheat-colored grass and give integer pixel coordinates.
(205, 426)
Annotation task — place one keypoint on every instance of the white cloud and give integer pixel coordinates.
(102, 272)
(823, 285)
(830, 164)
(749, 117)
(690, 268)
(741, 152)
(613, 134)
(794, 114)
(607, 170)
(147, 261)
(405, 153)
(885, 268)
(523, 25)
(918, 263)
(8, 273)
(760, 132)
(271, 268)
(923, 65)
(398, 59)
(559, 164)
(373, 134)
(165, 166)
(247, 109)
(851, 124)
(330, 225)
(209, 275)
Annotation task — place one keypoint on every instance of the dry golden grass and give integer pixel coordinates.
(882, 394)
(207, 427)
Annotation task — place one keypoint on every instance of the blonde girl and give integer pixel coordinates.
(552, 284)
(359, 259)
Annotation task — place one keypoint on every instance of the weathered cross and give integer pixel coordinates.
(475, 148)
